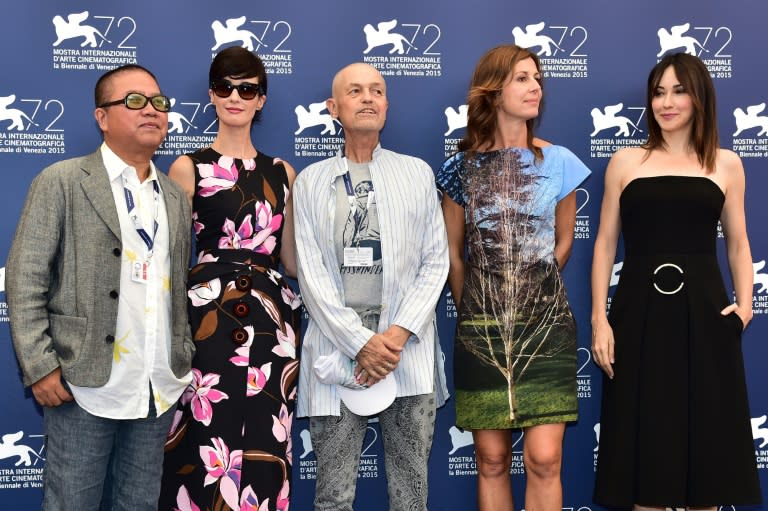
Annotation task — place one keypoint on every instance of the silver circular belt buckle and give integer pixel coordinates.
(670, 265)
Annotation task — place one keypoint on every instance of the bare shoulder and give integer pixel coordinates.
(625, 162)
(182, 171)
(629, 156)
(728, 161)
(183, 164)
(289, 170)
(729, 172)
(538, 142)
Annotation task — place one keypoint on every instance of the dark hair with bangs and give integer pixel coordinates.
(238, 63)
(694, 76)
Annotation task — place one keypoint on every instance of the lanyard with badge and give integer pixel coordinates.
(356, 256)
(140, 269)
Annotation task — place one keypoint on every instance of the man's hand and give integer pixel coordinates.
(397, 335)
(49, 391)
(380, 355)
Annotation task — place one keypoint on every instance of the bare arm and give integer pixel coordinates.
(288, 243)
(565, 221)
(183, 172)
(735, 230)
(453, 214)
(602, 266)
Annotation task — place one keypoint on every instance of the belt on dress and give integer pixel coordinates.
(668, 291)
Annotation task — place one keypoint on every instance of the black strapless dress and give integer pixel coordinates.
(675, 426)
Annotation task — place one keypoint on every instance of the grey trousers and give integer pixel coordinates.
(407, 426)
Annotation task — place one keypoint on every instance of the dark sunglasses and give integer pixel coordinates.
(223, 89)
(136, 101)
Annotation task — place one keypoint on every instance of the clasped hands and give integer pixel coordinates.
(380, 355)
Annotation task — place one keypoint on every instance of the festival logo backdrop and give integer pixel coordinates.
(595, 61)
(318, 134)
(561, 48)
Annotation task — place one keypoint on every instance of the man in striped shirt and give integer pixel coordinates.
(372, 259)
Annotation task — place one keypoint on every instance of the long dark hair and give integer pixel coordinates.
(693, 75)
(489, 78)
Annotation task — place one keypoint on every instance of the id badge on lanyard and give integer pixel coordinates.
(356, 256)
(140, 269)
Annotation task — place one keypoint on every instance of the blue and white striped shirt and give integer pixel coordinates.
(415, 266)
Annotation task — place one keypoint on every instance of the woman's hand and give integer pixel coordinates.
(744, 313)
(603, 346)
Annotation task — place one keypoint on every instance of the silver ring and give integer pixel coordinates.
(671, 265)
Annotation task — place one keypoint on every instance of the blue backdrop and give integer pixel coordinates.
(595, 53)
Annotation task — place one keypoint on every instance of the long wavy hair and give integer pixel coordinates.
(490, 76)
(693, 75)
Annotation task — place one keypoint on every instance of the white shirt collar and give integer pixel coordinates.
(116, 166)
(341, 169)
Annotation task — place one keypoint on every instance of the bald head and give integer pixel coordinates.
(353, 73)
(359, 101)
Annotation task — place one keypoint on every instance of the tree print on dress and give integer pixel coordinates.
(514, 305)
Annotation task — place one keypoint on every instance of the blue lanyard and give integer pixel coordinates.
(133, 214)
(348, 184)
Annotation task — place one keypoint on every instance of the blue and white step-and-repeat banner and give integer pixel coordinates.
(595, 56)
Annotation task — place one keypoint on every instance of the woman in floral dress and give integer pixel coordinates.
(230, 444)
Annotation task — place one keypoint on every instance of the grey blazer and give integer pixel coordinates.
(63, 274)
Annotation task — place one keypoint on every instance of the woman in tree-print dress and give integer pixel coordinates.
(230, 443)
(510, 205)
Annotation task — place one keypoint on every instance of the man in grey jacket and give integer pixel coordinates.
(97, 301)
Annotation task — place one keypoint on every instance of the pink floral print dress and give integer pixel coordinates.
(230, 443)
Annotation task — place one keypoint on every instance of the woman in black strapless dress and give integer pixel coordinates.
(674, 427)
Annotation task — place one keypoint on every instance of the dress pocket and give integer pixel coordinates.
(736, 321)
